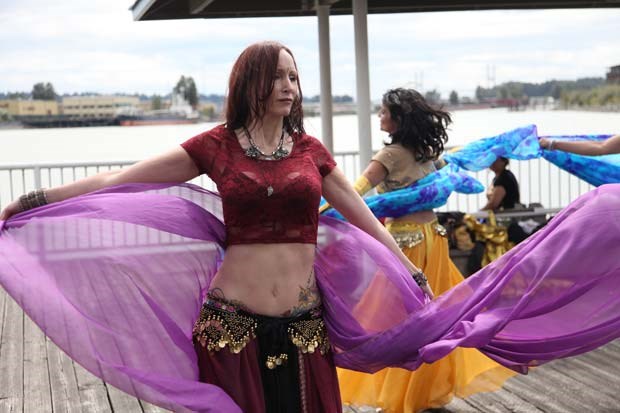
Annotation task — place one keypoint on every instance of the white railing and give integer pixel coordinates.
(540, 181)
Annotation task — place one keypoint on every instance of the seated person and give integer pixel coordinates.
(504, 191)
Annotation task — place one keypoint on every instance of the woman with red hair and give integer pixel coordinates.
(260, 335)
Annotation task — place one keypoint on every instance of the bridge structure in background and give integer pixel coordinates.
(213, 9)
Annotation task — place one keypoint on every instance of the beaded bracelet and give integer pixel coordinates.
(33, 199)
(419, 277)
(551, 142)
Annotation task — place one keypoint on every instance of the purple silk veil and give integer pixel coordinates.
(116, 279)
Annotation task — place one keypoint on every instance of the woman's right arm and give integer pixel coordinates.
(494, 198)
(591, 148)
(374, 173)
(173, 166)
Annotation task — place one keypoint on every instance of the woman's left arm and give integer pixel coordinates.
(590, 148)
(341, 195)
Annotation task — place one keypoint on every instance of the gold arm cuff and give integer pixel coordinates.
(324, 208)
(362, 185)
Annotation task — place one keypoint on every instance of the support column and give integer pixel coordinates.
(327, 128)
(360, 12)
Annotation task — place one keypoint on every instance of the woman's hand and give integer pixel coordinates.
(10, 210)
(428, 291)
(544, 143)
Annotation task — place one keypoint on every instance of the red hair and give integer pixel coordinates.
(251, 82)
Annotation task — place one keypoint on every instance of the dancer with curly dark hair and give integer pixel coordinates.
(418, 132)
(414, 124)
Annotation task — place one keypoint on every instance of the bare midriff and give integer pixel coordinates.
(269, 279)
(420, 217)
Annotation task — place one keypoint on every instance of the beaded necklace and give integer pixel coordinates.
(254, 152)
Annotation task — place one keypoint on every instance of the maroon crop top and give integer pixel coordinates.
(290, 213)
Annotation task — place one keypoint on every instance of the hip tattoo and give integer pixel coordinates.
(309, 297)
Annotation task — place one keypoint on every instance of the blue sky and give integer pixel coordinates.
(95, 45)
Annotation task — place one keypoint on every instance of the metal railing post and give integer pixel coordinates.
(37, 177)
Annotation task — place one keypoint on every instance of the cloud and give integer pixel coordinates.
(95, 45)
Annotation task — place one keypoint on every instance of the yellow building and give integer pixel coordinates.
(96, 106)
(18, 107)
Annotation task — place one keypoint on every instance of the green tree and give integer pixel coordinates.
(432, 96)
(454, 98)
(18, 95)
(342, 99)
(187, 88)
(556, 91)
(515, 90)
(156, 102)
(43, 91)
(208, 112)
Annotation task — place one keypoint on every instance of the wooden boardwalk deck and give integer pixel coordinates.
(35, 376)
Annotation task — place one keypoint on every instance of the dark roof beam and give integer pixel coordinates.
(141, 7)
(187, 9)
(197, 6)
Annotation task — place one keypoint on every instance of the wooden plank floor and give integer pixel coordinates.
(35, 376)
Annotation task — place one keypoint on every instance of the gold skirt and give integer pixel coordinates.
(463, 372)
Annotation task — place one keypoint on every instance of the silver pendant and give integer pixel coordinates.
(252, 152)
(269, 190)
(280, 153)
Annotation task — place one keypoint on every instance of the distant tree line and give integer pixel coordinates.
(585, 92)
(45, 91)
(553, 88)
(607, 96)
(14, 95)
(335, 99)
(40, 91)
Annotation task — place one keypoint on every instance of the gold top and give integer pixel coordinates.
(402, 167)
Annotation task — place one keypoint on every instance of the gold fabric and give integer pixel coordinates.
(494, 237)
(463, 239)
(463, 372)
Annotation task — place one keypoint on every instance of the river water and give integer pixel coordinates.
(118, 143)
(539, 181)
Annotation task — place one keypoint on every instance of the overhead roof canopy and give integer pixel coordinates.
(188, 9)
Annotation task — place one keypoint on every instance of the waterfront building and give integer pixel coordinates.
(19, 108)
(97, 106)
(613, 76)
